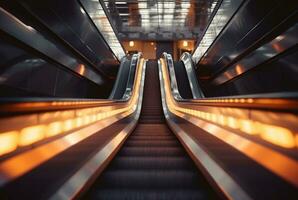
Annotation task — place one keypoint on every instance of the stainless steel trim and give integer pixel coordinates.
(129, 87)
(229, 186)
(217, 26)
(170, 64)
(277, 101)
(12, 105)
(31, 37)
(116, 83)
(47, 151)
(40, 132)
(273, 48)
(78, 181)
(191, 74)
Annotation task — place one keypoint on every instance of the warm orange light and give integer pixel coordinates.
(232, 122)
(81, 69)
(8, 142)
(32, 134)
(221, 120)
(68, 124)
(131, 43)
(152, 43)
(54, 129)
(277, 135)
(62, 121)
(79, 121)
(185, 43)
(248, 126)
(239, 69)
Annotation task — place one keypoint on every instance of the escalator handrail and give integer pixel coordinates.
(132, 76)
(267, 132)
(54, 132)
(119, 76)
(10, 106)
(190, 71)
(274, 101)
(215, 172)
(170, 67)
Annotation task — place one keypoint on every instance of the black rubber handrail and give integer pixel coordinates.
(287, 101)
(11, 106)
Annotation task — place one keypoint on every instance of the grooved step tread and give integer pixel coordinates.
(149, 194)
(152, 179)
(152, 151)
(161, 162)
(152, 163)
(152, 143)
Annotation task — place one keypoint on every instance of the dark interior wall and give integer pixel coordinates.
(254, 50)
(75, 61)
(276, 75)
(25, 73)
(68, 20)
(166, 46)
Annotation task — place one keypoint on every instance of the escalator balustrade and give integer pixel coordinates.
(152, 163)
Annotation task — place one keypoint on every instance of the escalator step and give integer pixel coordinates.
(130, 194)
(152, 143)
(156, 133)
(152, 151)
(153, 179)
(137, 163)
(151, 164)
(147, 137)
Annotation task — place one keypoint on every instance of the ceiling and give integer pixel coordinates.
(160, 19)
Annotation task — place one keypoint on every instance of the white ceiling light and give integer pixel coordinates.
(131, 43)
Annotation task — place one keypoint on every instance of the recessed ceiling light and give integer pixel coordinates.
(131, 43)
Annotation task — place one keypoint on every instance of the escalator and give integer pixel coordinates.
(152, 164)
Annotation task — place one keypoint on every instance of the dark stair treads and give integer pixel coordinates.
(147, 162)
(148, 179)
(152, 151)
(156, 137)
(152, 163)
(149, 194)
(152, 143)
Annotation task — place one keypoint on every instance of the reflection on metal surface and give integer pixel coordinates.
(211, 122)
(159, 19)
(100, 19)
(55, 124)
(34, 39)
(223, 180)
(31, 134)
(277, 135)
(273, 48)
(129, 87)
(22, 163)
(74, 185)
(221, 18)
(278, 163)
(81, 69)
(168, 61)
(8, 141)
(221, 177)
(191, 74)
(16, 166)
